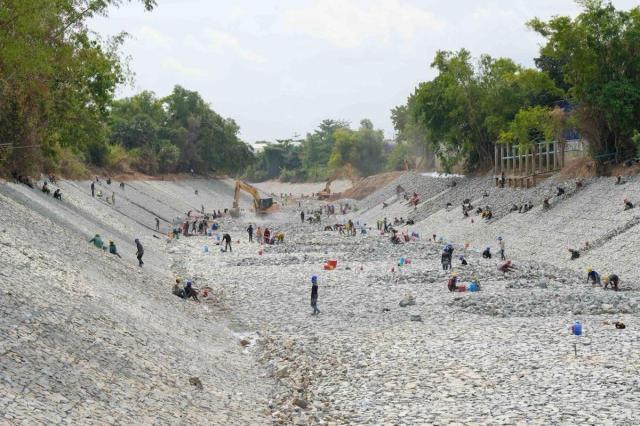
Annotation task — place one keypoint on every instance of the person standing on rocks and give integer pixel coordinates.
(157, 224)
(314, 295)
(447, 254)
(250, 232)
(93, 189)
(302, 216)
(259, 234)
(501, 244)
(139, 252)
(352, 229)
(227, 242)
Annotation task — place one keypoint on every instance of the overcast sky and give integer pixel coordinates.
(280, 67)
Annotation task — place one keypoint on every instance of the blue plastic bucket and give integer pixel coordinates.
(576, 329)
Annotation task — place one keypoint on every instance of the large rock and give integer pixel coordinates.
(299, 402)
(408, 300)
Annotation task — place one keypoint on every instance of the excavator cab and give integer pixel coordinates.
(261, 205)
(265, 203)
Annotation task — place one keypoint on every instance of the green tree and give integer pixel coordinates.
(56, 81)
(468, 105)
(412, 139)
(530, 125)
(596, 53)
(317, 147)
(399, 156)
(363, 149)
(206, 141)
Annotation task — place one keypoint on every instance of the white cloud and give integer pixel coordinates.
(154, 36)
(349, 23)
(175, 65)
(220, 41)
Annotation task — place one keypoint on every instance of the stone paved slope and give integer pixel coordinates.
(87, 338)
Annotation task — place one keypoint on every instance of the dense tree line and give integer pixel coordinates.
(58, 112)
(333, 146)
(596, 59)
(590, 63)
(57, 107)
(178, 133)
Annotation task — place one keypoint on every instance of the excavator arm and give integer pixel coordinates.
(326, 192)
(260, 205)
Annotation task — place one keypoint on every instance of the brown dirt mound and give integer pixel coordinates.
(581, 167)
(369, 185)
(622, 170)
(586, 167)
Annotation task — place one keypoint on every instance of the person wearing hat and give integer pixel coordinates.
(113, 249)
(593, 276)
(613, 280)
(501, 244)
(445, 258)
(139, 252)
(628, 204)
(453, 281)
(487, 252)
(314, 295)
(189, 291)
(177, 290)
(97, 241)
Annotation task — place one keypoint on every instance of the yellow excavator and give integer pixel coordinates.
(260, 205)
(326, 192)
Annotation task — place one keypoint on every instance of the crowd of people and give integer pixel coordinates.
(206, 224)
(26, 180)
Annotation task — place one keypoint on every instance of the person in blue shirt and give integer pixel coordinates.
(593, 276)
